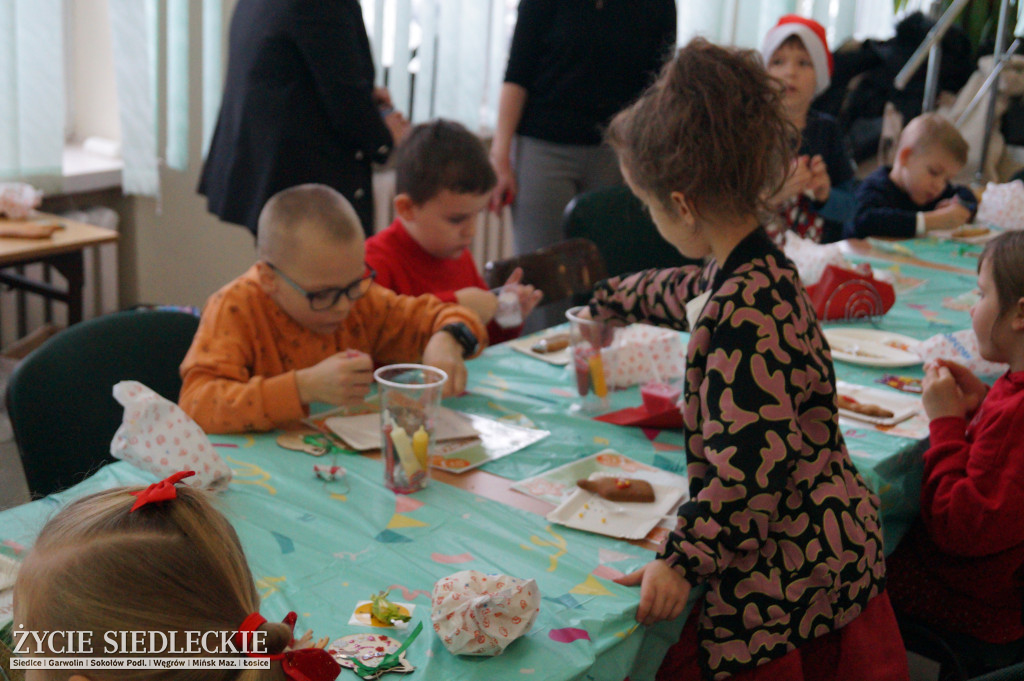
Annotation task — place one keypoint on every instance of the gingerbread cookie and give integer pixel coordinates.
(850, 404)
(619, 489)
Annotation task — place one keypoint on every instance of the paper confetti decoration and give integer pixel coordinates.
(591, 587)
(406, 504)
(609, 556)
(568, 635)
(568, 601)
(451, 560)
(389, 537)
(398, 520)
(268, 586)
(408, 594)
(606, 572)
(286, 543)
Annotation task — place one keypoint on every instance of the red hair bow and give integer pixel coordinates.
(159, 491)
(304, 664)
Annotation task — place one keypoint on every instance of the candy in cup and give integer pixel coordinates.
(410, 396)
(587, 337)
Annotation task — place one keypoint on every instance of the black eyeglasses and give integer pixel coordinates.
(326, 298)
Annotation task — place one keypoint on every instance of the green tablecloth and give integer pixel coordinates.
(319, 547)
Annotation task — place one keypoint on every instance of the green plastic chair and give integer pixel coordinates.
(624, 233)
(60, 400)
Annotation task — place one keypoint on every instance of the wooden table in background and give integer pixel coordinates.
(62, 251)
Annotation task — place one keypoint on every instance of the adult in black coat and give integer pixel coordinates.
(299, 106)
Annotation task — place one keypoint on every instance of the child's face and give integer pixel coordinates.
(996, 337)
(792, 64)
(319, 264)
(445, 224)
(924, 173)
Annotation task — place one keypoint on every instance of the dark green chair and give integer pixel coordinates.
(624, 233)
(60, 397)
(562, 271)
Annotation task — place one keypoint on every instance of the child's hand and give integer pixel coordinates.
(941, 395)
(972, 387)
(529, 297)
(819, 184)
(663, 592)
(342, 379)
(949, 214)
(483, 303)
(445, 353)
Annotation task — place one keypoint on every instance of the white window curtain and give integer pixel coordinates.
(437, 57)
(32, 93)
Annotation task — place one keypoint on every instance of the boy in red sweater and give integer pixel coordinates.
(959, 569)
(443, 181)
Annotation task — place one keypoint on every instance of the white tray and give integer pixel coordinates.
(901, 405)
(872, 347)
(587, 511)
(525, 346)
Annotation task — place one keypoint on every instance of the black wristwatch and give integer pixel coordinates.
(466, 338)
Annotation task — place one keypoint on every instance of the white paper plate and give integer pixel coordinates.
(958, 234)
(585, 510)
(902, 406)
(525, 346)
(871, 347)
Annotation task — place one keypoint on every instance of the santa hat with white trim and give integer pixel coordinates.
(812, 35)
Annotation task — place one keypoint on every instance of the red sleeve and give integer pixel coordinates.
(972, 498)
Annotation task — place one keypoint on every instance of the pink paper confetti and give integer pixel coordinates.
(605, 572)
(568, 635)
(452, 559)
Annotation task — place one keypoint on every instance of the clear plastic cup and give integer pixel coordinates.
(586, 339)
(410, 396)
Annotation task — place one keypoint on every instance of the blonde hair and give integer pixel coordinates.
(930, 131)
(710, 127)
(288, 214)
(174, 566)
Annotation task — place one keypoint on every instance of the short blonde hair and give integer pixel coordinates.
(931, 131)
(174, 566)
(288, 213)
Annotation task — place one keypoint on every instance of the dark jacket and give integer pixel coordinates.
(297, 108)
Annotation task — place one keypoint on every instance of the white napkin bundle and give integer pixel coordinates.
(960, 347)
(478, 614)
(158, 437)
(1002, 205)
(812, 258)
(641, 353)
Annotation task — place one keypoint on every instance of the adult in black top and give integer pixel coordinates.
(885, 209)
(299, 106)
(572, 65)
(822, 136)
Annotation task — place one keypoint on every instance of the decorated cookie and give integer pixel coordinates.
(619, 489)
(369, 650)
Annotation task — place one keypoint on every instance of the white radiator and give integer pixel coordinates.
(22, 313)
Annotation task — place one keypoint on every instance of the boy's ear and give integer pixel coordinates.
(903, 155)
(405, 207)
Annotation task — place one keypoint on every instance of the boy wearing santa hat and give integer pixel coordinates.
(818, 195)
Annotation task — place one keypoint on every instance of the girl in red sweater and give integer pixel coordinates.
(959, 568)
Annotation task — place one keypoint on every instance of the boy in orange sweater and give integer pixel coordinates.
(306, 323)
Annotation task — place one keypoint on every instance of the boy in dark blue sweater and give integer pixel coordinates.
(915, 196)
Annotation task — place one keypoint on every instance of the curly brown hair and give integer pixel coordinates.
(710, 127)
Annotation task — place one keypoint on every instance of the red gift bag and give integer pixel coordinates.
(846, 294)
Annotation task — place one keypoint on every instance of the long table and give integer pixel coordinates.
(320, 547)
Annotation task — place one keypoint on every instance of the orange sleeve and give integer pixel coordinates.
(218, 388)
(399, 327)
